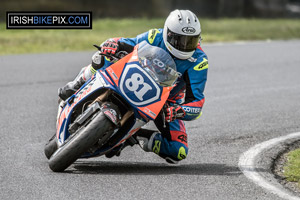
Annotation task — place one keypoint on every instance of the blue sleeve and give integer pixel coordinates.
(195, 78)
(152, 37)
(136, 40)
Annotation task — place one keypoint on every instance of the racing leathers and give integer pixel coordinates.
(171, 141)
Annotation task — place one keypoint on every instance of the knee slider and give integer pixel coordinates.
(182, 153)
(172, 149)
(179, 151)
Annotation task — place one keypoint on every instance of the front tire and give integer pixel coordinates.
(50, 147)
(80, 142)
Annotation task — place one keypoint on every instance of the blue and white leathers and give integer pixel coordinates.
(188, 93)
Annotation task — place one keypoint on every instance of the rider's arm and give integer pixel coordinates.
(127, 44)
(195, 79)
(148, 36)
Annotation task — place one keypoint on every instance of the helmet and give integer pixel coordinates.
(182, 33)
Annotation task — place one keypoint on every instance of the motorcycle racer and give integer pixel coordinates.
(181, 37)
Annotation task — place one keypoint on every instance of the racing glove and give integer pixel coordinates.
(173, 112)
(110, 47)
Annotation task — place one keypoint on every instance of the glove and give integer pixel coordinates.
(110, 47)
(173, 112)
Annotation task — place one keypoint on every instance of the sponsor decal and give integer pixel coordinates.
(48, 20)
(182, 138)
(112, 115)
(149, 112)
(188, 30)
(201, 66)
(115, 76)
(191, 110)
(156, 147)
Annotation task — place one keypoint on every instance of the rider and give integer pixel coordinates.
(181, 37)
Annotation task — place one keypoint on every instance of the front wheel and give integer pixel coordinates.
(50, 147)
(99, 128)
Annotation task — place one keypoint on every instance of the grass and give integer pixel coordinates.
(213, 30)
(292, 166)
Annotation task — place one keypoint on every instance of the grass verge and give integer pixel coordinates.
(213, 30)
(292, 166)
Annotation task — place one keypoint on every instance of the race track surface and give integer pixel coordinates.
(252, 95)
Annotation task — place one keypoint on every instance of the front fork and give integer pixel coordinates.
(103, 97)
(61, 104)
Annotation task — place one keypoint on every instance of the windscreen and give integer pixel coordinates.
(158, 64)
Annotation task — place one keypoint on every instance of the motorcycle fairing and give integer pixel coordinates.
(93, 85)
(148, 97)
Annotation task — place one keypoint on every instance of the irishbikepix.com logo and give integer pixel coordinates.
(49, 20)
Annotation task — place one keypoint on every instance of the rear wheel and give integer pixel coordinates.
(98, 130)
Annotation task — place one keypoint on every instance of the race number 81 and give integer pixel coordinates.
(134, 82)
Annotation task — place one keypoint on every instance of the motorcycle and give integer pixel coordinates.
(112, 106)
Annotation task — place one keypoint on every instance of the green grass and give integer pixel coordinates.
(213, 30)
(292, 166)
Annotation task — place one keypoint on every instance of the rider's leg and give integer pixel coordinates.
(72, 86)
(171, 144)
(84, 74)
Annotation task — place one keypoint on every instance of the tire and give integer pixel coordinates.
(80, 142)
(50, 147)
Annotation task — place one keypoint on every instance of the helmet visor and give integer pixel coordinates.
(185, 43)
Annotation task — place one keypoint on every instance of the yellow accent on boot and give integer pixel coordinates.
(156, 147)
(181, 153)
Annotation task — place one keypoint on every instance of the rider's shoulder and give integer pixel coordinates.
(199, 60)
(199, 52)
(154, 34)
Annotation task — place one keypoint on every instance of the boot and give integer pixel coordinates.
(70, 88)
(145, 139)
(117, 150)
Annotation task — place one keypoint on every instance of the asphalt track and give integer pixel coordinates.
(252, 95)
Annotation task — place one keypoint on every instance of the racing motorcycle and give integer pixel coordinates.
(112, 106)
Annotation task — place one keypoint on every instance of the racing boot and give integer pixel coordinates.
(117, 150)
(148, 142)
(85, 73)
(70, 88)
(145, 139)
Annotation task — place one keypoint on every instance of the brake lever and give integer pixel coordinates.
(113, 57)
(98, 47)
(103, 54)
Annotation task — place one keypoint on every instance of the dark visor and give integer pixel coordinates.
(184, 43)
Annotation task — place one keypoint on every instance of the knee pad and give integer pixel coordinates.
(182, 152)
(179, 154)
(172, 149)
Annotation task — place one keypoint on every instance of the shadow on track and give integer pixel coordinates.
(144, 168)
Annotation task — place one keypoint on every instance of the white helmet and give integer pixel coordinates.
(182, 33)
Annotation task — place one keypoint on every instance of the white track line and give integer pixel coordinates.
(247, 166)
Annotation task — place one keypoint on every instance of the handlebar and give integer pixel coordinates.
(118, 56)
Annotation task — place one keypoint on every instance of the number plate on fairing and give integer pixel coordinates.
(138, 86)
